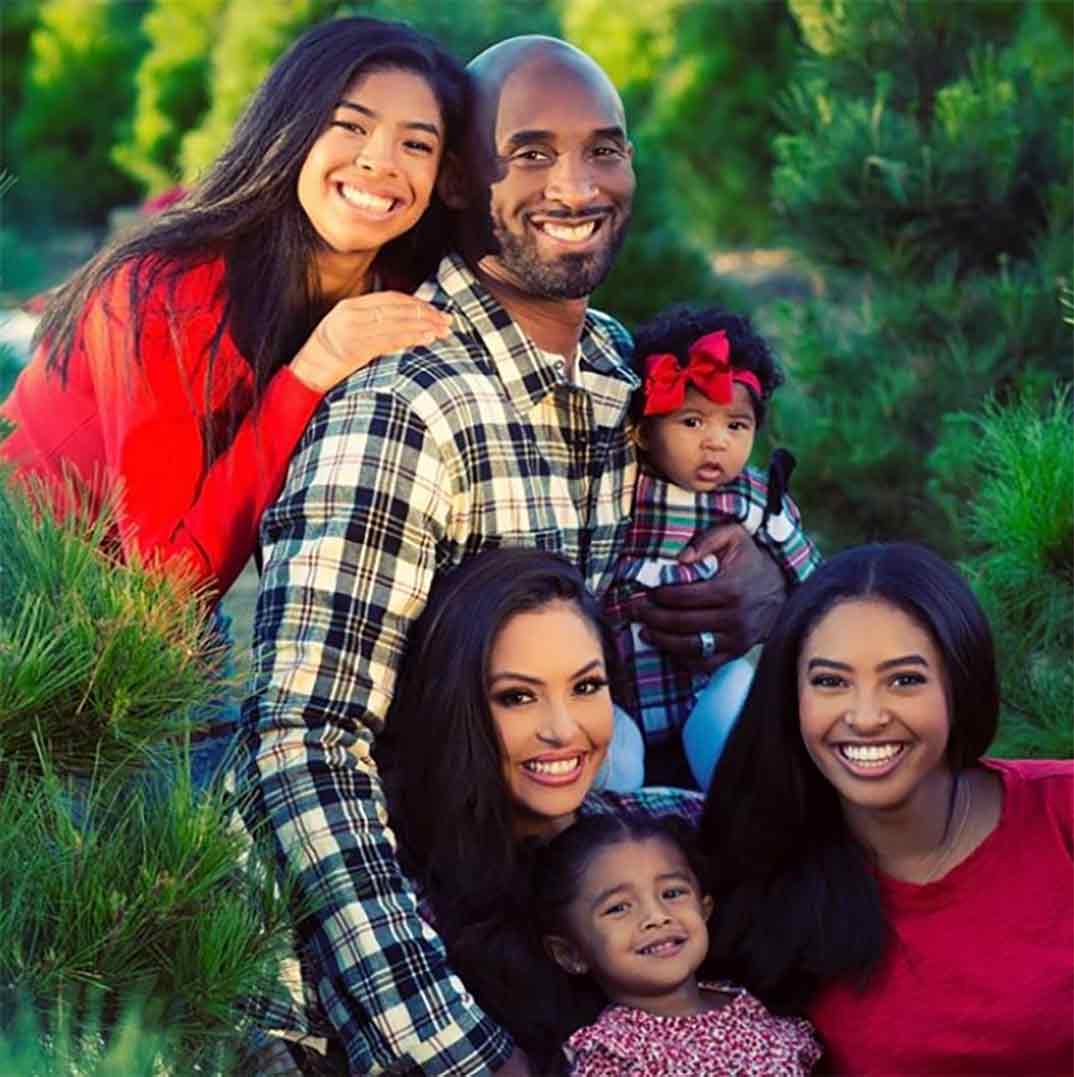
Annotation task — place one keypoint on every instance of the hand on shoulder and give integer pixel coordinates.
(360, 329)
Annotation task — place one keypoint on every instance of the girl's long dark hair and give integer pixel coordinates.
(797, 904)
(246, 208)
(449, 802)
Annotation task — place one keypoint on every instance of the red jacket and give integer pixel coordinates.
(135, 428)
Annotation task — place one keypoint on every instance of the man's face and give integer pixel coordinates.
(560, 200)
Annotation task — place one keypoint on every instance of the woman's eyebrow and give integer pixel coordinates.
(508, 674)
(597, 663)
(415, 125)
(902, 660)
(829, 662)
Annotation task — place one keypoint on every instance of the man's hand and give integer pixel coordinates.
(738, 605)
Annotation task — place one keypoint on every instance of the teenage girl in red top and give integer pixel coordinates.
(872, 867)
(177, 371)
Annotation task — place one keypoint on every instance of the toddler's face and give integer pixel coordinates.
(638, 923)
(702, 445)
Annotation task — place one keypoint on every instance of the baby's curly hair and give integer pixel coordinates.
(676, 328)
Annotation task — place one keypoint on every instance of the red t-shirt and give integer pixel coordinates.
(979, 976)
(136, 428)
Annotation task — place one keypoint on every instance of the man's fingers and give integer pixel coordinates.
(719, 540)
(687, 650)
(686, 622)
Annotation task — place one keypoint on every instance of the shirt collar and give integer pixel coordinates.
(528, 374)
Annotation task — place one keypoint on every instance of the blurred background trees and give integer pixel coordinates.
(926, 168)
(911, 164)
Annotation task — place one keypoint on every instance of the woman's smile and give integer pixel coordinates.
(556, 769)
(552, 709)
(873, 704)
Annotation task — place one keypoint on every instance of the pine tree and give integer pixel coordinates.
(136, 924)
(75, 101)
(1021, 519)
(926, 169)
(171, 86)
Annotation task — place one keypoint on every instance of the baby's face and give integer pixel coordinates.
(702, 445)
(638, 924)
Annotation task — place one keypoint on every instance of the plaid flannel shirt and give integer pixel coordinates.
(414, 463)
(657, 690)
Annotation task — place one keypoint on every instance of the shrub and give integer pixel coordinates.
(1022, 522)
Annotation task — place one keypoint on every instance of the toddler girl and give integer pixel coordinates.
(617, 898)
(707, 378)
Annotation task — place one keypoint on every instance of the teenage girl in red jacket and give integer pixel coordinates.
(176, 373)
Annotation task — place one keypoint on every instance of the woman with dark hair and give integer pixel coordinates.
(495, 742)
(872, 869)
(176, 372)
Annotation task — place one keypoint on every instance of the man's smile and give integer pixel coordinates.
(579, 233)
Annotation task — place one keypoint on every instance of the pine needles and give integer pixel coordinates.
(137, 925)
(100, 662)
(1023, 520)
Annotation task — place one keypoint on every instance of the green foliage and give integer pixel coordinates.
(171, 89)
(9, 371)
(870, 182)
(19, 20)
(88, 1047)
(247, 42)
(698, 78)
(112, 896)
(251, 38)
(101, 664)
(137, 925)
(657, 265)
(76, 100)
(1022, 521)
(937, 192)
(466, 29)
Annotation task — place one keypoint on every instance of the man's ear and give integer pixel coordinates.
(565, 954)
(707, 905)
(451, 183)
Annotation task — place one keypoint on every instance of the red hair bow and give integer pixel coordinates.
(709, 369)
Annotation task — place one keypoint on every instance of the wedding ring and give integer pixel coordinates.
(708, 644)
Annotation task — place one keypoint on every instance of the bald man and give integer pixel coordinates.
(508, 432)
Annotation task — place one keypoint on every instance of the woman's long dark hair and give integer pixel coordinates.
(449, 801)
(797, 904)
(246, 208)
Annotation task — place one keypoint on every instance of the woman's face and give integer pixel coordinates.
(370, 175)
(551, 705)
(872, 705)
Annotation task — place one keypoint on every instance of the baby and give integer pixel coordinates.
(707, 378)
(618, 899)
